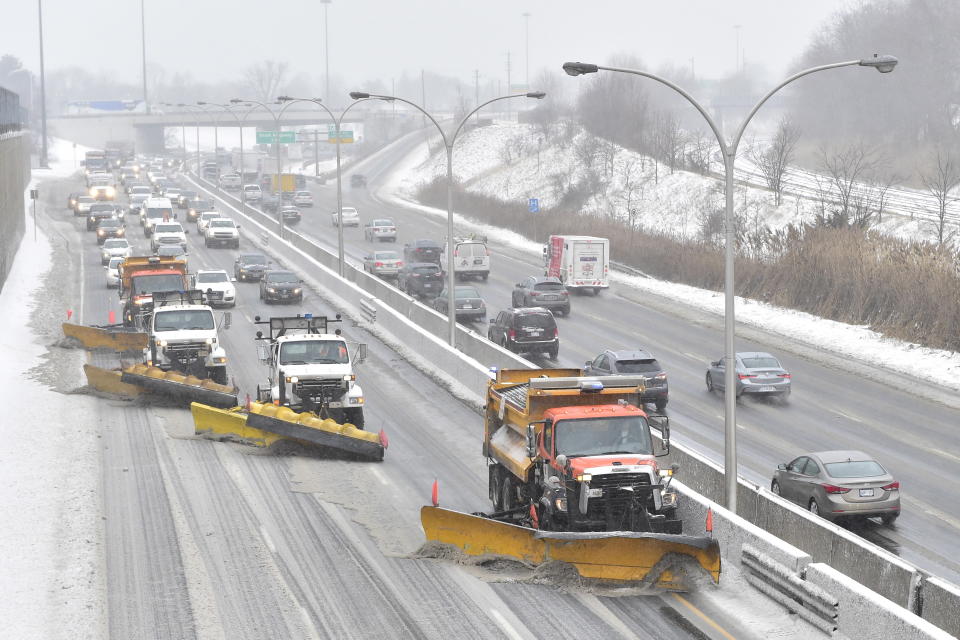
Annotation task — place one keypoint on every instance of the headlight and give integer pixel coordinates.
(209, 340)
(111, 191)
(560, 504)
(100, 232)
(139, 301)
(349, 377)
(356, 400)
(93, 192)
(296, 291)
(585, 477)
(220, 359)
(161, 343)
(271, 290)
(92, 219)
(669, 499)
(293, 379)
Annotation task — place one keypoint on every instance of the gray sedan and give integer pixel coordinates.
(469, 304)
(385, 264)
(757, 373)
(839, 485)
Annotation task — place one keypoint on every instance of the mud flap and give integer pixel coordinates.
(177, 386)
(116, 338)
(649, 558)
(308, 428)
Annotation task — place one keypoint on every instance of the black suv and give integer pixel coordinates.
(541, 291)
(527, 330)
(281, 286)
(98, 212)
(422, 251)
(633, 362)
(250, 266)
(420, 279)
(109, 228)
(196, 207)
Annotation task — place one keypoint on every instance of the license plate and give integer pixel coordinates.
(594, 493)
(215, 295)
(549, 297)
(467, 306)
(428, 286)
(866, 493)
(767, 389)
(478, 261)
(534, 333)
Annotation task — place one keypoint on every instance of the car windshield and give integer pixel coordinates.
(386, 255)
(282, 276)
(534, 321)
(192, 319)
(638, 366)
(548, 286)
(599, 436)
(159, 212)
(115, 262)
(213, 276)
(383, 223)
(221, 223)
(467, 292)
(209, 215)
(164, 282)
(314, 352)
(304, 194)
(252, 258)
(855, 469)
(761, 362)
(116, 244)
(84, 199)
(169, 251)
(168, 228)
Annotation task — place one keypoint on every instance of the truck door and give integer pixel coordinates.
(555, 264)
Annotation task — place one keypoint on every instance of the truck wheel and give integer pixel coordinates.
(507, 492)
(218, 374)
(554, 352)
(495, 481)
(354, 416)
(661, 404)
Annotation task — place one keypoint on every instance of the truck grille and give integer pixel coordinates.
(168, 240)
(626, 496)
(182, 348)
(223, 236)
(317, 389)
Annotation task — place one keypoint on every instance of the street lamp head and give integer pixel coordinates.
(284, 98)
(579, 68)
(883, 64)
(235, 100)
(539, 95)
(180, 104)
(359, 95)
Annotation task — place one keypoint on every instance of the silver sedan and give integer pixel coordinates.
(385, 264)
(757, 373)
(839, 485)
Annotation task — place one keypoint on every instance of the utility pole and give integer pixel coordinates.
(326, 48)
(143, 45)
(476, 90)
(44, 164)
(526, 61)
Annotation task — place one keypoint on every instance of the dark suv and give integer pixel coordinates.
(100, 211)
(250, 266)
(633, 362)
(422, 251)
(420, 279)
(542, 291)
(527, 330)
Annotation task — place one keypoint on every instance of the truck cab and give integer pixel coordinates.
(311, 369)
(140, 278)
(183, 336)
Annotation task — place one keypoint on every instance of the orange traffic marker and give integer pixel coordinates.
(435, 494)
(710, 521)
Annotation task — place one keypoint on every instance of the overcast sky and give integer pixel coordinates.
(380, 39)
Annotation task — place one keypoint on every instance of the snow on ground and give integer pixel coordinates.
(934, 365)
(49, 466)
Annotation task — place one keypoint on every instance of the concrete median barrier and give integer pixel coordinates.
(941, 604)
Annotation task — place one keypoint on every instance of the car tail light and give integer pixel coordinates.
(556, 332)
(415, 275)
(744, 376)
(566, 293)
(784, 375)
(399, 263)
(512, 333)
(456, 253)
(660, 376)
(378, 264)
(534, 293)
(829, 488)
(893, 486)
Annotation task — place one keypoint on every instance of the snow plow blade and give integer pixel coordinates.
(109, 381)
(308, 428)
(114, 337)
(228, 424)
(177, 386)
(656, 559)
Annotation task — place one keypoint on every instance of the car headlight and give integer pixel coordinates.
(209, 340)
(271, 290)
(585, 477)
(349, 377)
(92, 219)
(100, 232)
(296, 291)
(293, 379)
(560, 504)
(161, 343)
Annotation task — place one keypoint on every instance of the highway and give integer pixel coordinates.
(834, 404)
(205, 539)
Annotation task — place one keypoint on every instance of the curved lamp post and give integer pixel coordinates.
(448, 143)
(337, 122)
(883, 64)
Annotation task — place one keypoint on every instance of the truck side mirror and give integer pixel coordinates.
(662, 423)
(531, 441)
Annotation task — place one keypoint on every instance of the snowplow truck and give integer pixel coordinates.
(573, 477)
(183, 336)
(140, 278)
(310, 368)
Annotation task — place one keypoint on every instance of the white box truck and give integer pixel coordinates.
(581, 262)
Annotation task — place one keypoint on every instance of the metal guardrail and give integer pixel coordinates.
(369, 310)
(12, 117)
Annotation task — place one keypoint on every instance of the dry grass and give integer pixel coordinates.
(904, 290)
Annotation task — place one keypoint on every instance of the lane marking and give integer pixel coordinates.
(268, 540)
(376, 472)
(693, 356)
(700, 614)
(506, 626)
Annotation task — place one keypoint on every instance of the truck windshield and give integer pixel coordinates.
(162, 282)
(314, 352)
(192, 319)
(599, 436)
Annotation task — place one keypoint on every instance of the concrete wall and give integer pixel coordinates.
(941, 604)
(14, 178)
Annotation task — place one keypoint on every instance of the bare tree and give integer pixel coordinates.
(265, 79)
(881, 182)
(667, 139)
(846, 167)
(774, 160)
(940, 179)
(699, 152)
(631, 188)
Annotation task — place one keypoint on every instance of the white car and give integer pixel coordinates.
(303, 199)
(222, 231)
(168, 233)
(230, 181)
(205, 218)
(351, 218)
(252, 192)
(381, 229)
(112, 270)
(217, 287)
(83, 205)
(115, 248)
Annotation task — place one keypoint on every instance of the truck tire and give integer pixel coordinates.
(661, 404)
(218, 374)
(354, 416)
(495, 473)
(508, 494)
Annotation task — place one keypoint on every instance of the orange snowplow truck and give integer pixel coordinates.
(141, 277)
(579, 449)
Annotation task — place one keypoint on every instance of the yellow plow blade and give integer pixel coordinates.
(177, 386)
(617, 556)
(109, 381)
(116, 339)
(230, 423)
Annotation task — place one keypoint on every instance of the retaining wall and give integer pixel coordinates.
(14, 178)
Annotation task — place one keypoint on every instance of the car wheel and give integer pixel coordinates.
(660, 404)
(206, 243)
(709, 383)
(505, 343)
(889, 518)
(554, 352)
(814, 507)
(775, 488)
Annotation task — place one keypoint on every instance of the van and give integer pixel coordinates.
(156, 210)
(471, 258)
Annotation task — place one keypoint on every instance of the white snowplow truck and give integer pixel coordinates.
(183, 336)
(310, 368)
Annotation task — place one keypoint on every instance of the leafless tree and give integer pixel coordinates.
(942, 177)
(630, 190)
(667, 139)
(774, 160)
(265, 78)
(699, 152)
(608, 153)
(881, 181)
(845, 168)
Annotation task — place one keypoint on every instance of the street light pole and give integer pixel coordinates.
(526, 56)
(143, 45)
(448, 143)
(326, 47)
(44, 160)
(190, 106)
(337, 122)
(183, 135)
(276, 126)
(883, 64)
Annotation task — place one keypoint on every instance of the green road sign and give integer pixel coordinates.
(346, 137)
(270, 137)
